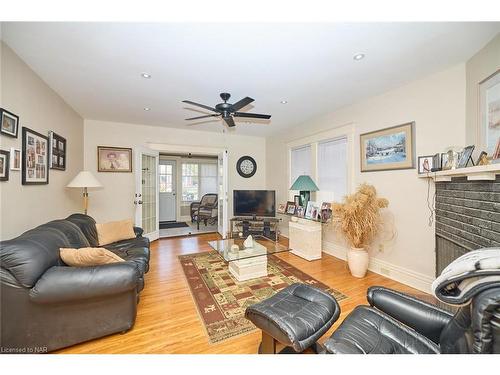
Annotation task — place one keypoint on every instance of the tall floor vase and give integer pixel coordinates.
(358, 259)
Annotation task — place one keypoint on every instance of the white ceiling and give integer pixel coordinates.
(96, 67)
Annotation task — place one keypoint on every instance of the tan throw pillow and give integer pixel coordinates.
(88, 256)
(115, 231)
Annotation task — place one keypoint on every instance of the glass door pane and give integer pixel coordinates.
(149, 187)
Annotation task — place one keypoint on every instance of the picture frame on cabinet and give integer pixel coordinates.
(290, 208)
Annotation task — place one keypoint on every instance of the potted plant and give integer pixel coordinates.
(358, 218)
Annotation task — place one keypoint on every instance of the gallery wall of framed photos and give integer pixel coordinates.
(28, 102)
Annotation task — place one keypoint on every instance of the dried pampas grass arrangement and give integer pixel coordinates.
(358, 217)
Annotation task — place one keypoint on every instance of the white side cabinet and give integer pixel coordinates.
(305, 238)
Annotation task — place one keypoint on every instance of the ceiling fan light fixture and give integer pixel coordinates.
(284, 102)
(147, 109)
(146, 75)
(358, 56)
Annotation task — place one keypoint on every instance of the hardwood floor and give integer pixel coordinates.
(167, 319)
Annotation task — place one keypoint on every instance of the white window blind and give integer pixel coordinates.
(208, 179)
(332, 168)
(300, 162)
(198, 179)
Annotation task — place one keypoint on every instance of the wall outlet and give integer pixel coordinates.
(381, 247)
(385, 271)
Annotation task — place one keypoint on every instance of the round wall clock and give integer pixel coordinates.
(246, 166)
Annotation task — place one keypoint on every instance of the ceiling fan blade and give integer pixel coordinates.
(200, 105)
(251, 115)
(229, 121)
(242, 103)
(198, 117)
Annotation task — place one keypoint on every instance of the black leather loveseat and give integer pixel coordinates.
(46, 305)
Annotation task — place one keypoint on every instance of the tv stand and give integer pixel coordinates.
(265, 226)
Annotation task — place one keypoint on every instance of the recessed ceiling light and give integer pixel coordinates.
(145, 75)
(359, 56)
(147, 108)
(284, 102)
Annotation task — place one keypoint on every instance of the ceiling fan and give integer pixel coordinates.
(227, 110)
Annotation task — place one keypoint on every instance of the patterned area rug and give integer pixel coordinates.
(221, 300)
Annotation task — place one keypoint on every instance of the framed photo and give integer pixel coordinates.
(57, 158)
(496, 153)
(15, 159)
(290, 208)
(388, 149)
(114, 159)
(312, 211)
(489, 112)
(300, 211)
(281, 208)
(9, 123)
(326, 211)
(35, 158)
(465, 155)
(4, 165)
(296, 200)
(482, 158)
(449, 160)
(425, 164)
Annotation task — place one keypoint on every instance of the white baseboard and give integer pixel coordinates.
(403, 275)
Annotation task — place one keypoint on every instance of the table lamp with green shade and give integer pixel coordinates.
(305, 185)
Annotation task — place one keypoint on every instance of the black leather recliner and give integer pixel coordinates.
(397, 323)
(46, 305)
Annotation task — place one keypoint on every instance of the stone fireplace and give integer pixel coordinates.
(467, 218)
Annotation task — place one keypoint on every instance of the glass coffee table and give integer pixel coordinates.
(247, 263)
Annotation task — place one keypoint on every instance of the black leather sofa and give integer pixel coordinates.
(396, 323)
(46, 305)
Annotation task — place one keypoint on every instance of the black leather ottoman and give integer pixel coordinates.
(297, 317)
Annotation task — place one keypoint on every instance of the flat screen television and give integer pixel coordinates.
(254, 203)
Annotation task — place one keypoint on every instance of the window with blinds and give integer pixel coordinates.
(198, 179)
(332, 168)
(300, 162)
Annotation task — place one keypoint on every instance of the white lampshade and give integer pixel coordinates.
(84, 179)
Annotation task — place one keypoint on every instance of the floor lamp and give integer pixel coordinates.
(84, 180)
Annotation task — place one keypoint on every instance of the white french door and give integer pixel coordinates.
(167, 186)
(222, 176)
(146, 198)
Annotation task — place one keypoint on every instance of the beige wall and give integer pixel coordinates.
(41, 109)
(479, 67)
(115, 200)
(437, 105)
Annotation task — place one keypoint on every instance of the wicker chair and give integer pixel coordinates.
(204, 210)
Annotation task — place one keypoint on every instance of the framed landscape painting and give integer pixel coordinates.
(387, 149)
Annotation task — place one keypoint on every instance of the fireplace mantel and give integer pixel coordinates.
(477, 173)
